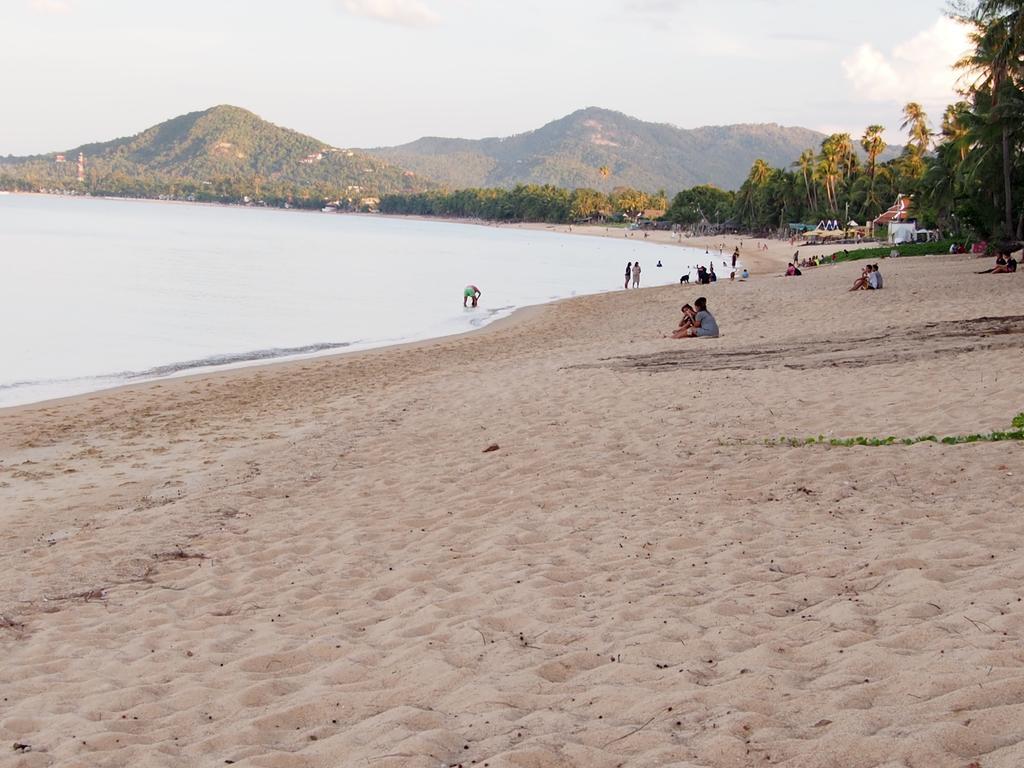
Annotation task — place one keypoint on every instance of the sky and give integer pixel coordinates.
(365, 73)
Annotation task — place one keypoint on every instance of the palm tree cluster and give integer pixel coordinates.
(978, 165)
(965, 178)
(836, 181)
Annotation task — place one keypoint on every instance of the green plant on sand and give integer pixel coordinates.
(1016, 433)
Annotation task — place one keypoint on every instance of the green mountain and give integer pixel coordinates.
(223, 152)
(571, 152)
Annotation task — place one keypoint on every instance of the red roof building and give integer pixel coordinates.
(899, 213)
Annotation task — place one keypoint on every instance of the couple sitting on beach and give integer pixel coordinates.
(870, 279)
(696, 322)
(1005, 264)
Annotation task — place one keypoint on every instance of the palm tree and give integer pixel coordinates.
(873, 145)
(604, 171)
(998, 39)
(915, 122)
(955, 129)
(915, 119)
(846, 156)
(752, 190)
(806, 165)
(829, 166)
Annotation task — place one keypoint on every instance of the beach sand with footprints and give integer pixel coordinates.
(320, 563)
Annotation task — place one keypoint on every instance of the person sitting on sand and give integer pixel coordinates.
(470, 292)
(873, 284)
(704, 325)
(744, 274)
(1000, 264)
(1009, 266)
(790, 269)
(861, 283)
(686, 323)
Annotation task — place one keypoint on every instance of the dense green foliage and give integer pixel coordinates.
(905, 249)
(525, 202)
(601, 149)
(966, 179)
(223, 154)
(701, 203)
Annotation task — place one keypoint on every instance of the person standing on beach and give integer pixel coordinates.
(470, 292)
(636, 274)
(629, 274)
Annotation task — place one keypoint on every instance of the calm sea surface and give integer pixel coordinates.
(98, 293)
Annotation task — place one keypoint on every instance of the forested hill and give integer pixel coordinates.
(603, 149)
(220, 153)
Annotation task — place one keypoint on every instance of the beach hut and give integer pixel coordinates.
(900, 225)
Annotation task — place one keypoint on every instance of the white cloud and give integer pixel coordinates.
(919, 69)
(410, 13)
(51, 6)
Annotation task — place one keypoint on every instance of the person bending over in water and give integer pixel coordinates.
(470, 292)
(686, 323)
(704, 325)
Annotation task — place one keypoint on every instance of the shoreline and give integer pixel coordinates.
(518, 315)
(760, 263)
(255, 363)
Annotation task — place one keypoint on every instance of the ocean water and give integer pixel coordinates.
(99, 293)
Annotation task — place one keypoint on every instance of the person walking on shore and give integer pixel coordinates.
(636, 274)
(629, 274)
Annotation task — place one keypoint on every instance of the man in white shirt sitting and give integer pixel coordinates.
(874, 278)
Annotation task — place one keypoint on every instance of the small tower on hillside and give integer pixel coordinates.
(81, 166)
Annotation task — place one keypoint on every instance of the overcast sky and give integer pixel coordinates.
(378, 72)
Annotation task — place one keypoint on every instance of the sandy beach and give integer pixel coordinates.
(562, 541)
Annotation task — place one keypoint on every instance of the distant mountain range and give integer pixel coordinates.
(223, 147)
(227, 152)
(603, 149)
